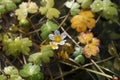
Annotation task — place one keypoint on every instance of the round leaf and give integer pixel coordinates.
(80, 59)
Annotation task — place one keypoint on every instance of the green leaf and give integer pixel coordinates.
(74, 11)
(47, 52)
(16, 1)
(10, 6)
(2, 9)
(2, 77)
(80, 59)
(52, 13)
(74, 7)
(107, 3)
(48, 10)
(43, 56)
(47, 29)
(38, 76)
(29, 70)
(15, 77)
(50, 3)
(69, 4)
(97, 6)
(109, 13)
(11, 70)
(16, 46)
(21, 13)
(35, 58)
(43, 10)
(117, 63)
(86, 3)
(77, 52)
(32, 8)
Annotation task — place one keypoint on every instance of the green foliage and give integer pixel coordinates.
(43, 56)
(38, 76)
(7, 5)
(29, 70)
(85, 3)
(48, 10)
(25, 8)
(117, 63)
(2, 77)
(35, 58)
(77, 52)
(97, 6)
(79, 58)
(24, 22)
(74, 7)
(16, 1)
(32, 72)
(47, 28)
(108, 11)
(2, 9)
(16, 46)
(12, 72)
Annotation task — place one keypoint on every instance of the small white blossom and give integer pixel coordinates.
(57, 38)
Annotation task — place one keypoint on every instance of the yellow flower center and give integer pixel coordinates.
(57, 39)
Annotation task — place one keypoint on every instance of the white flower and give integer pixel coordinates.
(57, 38)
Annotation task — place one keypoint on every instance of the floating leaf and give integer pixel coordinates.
(47, 8)
(84, 20)
(25, 8)
(32, 7)
(43, 10)
(78, 51)
(29, 70)
(48, 28)
(97, 6)
(47, 52)
(2, 77)
(86, 3)
(80, 59)
(38, 76)
(11, 70)
(2, 9)
(110, 13)
(35, 58)
(16, 46)
(10, 6)
(74, 7)
(15, 77)
(107, 3)
(51, 15)
(43, 56)
(16, 1)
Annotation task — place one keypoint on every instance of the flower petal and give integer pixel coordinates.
(62, 42)
(63, 35)
(51, 36)
(57, 32)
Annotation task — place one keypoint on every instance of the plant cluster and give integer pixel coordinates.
(46, 36)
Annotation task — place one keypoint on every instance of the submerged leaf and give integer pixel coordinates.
(117, 63)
